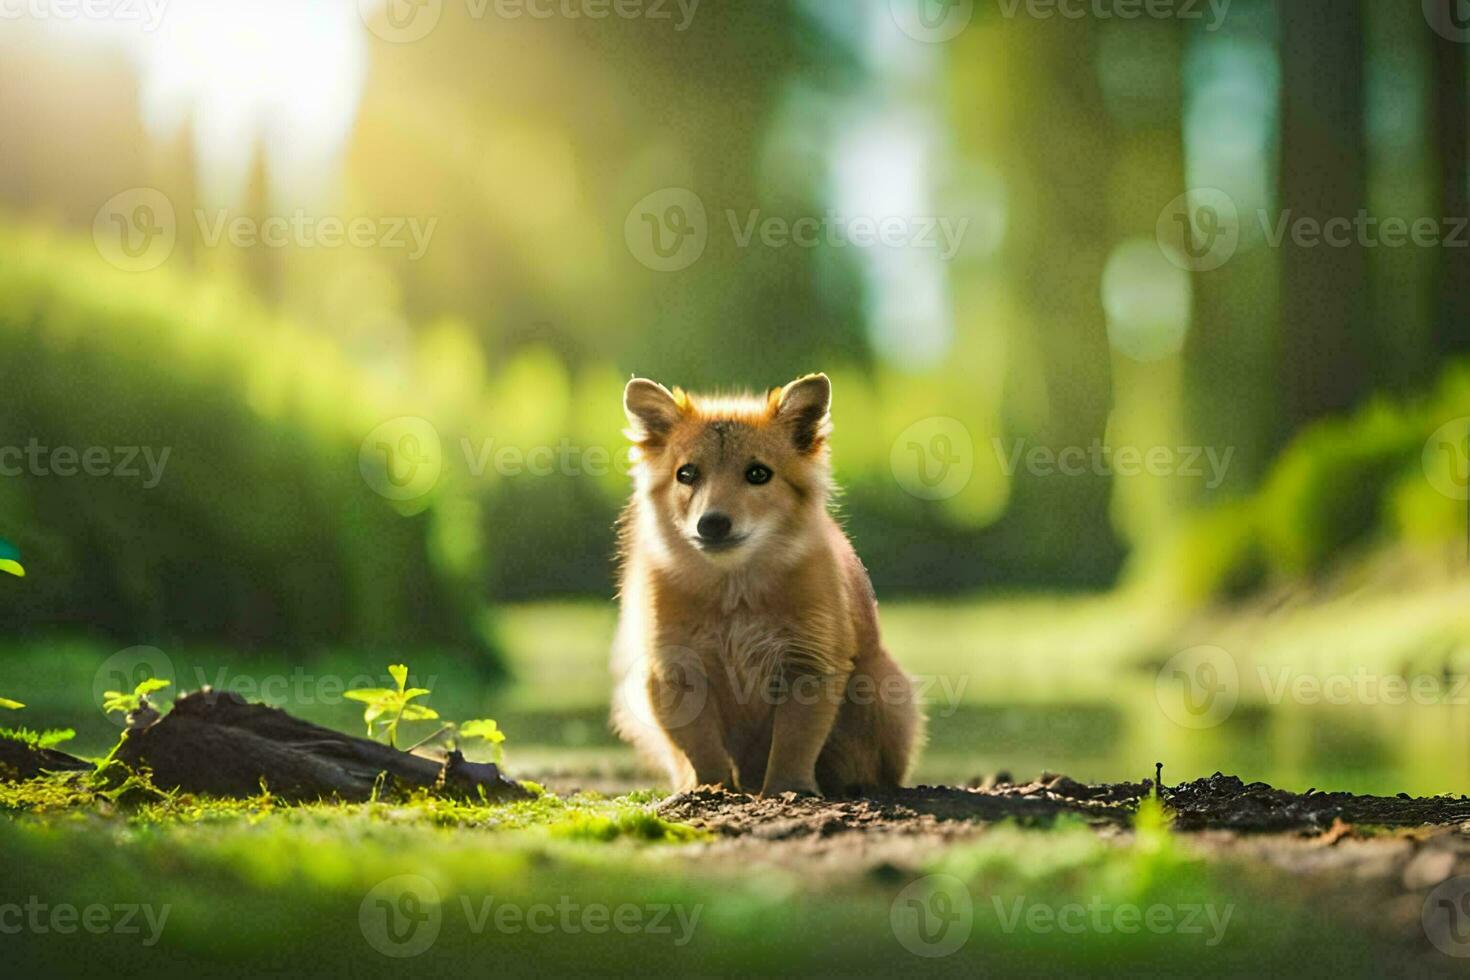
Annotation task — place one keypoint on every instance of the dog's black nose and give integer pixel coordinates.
(714, 527)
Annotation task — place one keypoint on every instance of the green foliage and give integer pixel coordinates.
(48, 739)
(260, 528)
(1342, 484)
(487, 730)
(126, 702)
(387, 706)
(1327, 492)
(132, 789)
(1217, 553)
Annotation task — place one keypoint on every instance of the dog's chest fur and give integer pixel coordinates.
(748, 641)
(745, 647)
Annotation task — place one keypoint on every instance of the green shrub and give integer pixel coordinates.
(1328, 490)
(1341, 484)
(261, 530)
(1217, 553)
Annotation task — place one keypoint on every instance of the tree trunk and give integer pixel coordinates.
(1324, 363)
(1452, 332)
(1058, 527)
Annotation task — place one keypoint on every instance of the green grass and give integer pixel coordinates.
(582, 816)
(255, 886)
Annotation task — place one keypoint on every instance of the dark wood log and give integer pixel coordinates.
(218, 743)
(22, 760)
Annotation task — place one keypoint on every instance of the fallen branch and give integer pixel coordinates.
(20, 759)
(219, 744)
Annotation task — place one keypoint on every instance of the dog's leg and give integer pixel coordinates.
(692, 722)
(804, 719)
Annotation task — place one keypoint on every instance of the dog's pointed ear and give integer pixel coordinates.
(804, 407)
(652, 411)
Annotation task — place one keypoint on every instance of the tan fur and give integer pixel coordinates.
(760, 667)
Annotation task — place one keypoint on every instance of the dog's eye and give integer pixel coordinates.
(687, 474)
(758, 474)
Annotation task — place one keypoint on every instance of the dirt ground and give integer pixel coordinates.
(1418, 842)
(1372, 861)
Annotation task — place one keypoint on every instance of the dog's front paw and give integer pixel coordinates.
(710, 781)
(797, 787)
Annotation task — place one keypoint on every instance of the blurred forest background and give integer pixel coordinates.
(1074, 310)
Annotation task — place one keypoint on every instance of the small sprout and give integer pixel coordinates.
(487, 729)
(128, 703)
(12, 705)
(388, 706)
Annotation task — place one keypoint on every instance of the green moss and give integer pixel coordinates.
(61, 792)
(130, 797)
(637, 824)
(645, 796)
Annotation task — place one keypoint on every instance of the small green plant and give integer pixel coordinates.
(48, 739)
(487, 729)
(128, 702)
(36, 740)
(387, 706)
